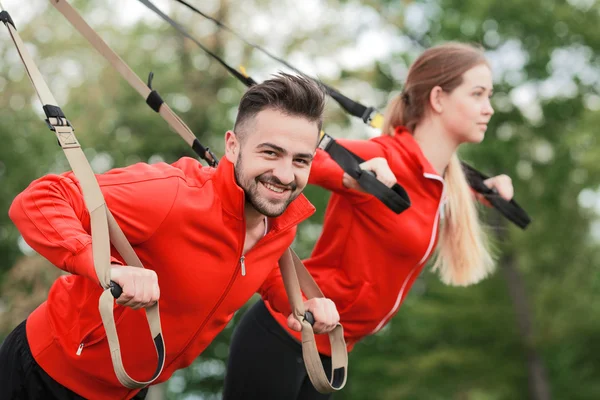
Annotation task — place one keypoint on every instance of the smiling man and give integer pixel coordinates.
(209, 239)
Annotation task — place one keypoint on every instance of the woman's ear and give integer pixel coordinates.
(435, 99)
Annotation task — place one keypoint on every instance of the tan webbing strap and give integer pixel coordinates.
(103, 225)
(296, 276)
(134, 81)
(311, 356)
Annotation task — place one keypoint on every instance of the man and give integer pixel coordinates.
(208, 238)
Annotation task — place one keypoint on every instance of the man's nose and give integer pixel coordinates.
(284, 171)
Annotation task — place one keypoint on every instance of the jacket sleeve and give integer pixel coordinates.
(273, 291)
(53, 219)
(325, 172)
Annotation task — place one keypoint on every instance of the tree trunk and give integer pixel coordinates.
(539, 387)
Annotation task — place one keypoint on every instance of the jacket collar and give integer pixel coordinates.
(408, 142)
(233, 199)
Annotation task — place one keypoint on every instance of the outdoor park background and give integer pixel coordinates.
(532, 331)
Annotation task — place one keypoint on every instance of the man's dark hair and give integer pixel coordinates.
(290, 94)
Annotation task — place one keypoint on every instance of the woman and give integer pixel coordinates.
(367, 257)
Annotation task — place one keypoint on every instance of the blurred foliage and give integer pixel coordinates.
(445, 343)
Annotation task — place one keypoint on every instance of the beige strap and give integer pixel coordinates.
(103, 225)
(296, 276)
(134, 81)
(290, 265)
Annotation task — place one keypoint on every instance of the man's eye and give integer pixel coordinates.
(301, 161)
(269, 153)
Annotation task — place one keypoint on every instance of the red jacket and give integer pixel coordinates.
(186, 222)
(367, 257)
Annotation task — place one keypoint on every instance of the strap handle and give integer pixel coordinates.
(296, 276)
(103, 225)
(395, 198)
(510, 209)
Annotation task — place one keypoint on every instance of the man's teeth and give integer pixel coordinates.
(273, 188)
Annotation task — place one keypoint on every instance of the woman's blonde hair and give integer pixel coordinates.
(463, 255)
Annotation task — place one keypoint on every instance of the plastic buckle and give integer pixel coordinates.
(325, 142)
(214, 161)
(369, 114)
(63, 122)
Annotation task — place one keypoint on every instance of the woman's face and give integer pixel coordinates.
(467, 110)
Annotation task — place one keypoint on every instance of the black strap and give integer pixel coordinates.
(352, 107)
(395, 198)
(510, 209)
(244, 79)
(205, 153)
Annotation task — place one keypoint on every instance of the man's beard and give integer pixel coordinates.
(253, 197)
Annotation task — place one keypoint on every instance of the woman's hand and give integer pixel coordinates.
(379, 166)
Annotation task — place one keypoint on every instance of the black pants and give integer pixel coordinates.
(266, 363)
(22, 378)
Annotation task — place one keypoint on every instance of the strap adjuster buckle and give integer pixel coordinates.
(214, 162)
(61, 121)
(325, 142)
(56, 114)
(368, 115)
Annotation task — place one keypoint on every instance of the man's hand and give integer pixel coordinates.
(140, 286)
(502, 184)
(379, 166)
(325, 313)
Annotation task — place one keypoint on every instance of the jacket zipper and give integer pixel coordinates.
(423, 260)
(238, 267)
(243, 265)
(83, 343)
(243, 258)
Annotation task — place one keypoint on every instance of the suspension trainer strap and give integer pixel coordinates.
(296, 278)
(104, 228)
(510, 209)
(368, 114)
(368, 182)
(155, 102)
(395, 198)
(241, 77)
(295, 275)
(371, 116)
(151, 96)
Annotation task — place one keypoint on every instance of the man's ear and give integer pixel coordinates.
(232, 146)
(435, 99)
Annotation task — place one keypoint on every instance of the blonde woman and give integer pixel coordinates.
(367, 257)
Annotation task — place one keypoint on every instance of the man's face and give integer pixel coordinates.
(273, 160)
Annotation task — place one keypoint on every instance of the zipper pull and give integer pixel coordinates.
(79, 349)
(242, 261)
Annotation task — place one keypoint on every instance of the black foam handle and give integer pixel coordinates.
(309, 318)
(115, 289)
